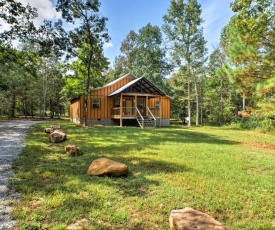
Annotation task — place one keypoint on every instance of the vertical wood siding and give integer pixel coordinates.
(74, 108)
(104, 112)
(106, 103)
(165, 106)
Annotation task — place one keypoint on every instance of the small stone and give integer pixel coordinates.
(48, 130)
(190, 219)
(105, 166)
(73, 150)
(51, 128)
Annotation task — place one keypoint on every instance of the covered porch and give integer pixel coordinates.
(139, 100)
(145, 108)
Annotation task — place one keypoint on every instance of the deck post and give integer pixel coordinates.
(146, 102)
(135, 105)
(121, 104)
(160, 111)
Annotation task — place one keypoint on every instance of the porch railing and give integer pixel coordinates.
(131, 111)
(126, 111)
(152, 116)
(140, 118)
(155, 111)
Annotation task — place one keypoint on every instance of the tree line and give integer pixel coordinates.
(234, 83)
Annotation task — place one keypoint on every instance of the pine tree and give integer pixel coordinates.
(249, 43)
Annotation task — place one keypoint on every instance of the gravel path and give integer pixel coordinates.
(12, 141)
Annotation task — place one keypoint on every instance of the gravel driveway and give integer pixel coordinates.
(12, 141)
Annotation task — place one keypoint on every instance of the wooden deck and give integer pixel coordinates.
(145, 116)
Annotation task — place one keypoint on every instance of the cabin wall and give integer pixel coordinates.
(76, 111)
(102, 115)
(106, 103)
(165, 106)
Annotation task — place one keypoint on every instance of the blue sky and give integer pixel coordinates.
(126, 15)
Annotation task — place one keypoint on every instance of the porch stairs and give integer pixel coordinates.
(146, 121)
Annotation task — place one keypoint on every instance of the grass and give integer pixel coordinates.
(227, 173)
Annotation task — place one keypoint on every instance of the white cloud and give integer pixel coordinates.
(45, 10)
(107, 45)
(216, 15)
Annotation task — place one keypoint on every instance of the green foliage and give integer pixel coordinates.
(20, 19)
(86, 40)
(183, 28)
(219, 103)
(143, 55)
(248, 40)
(173, 168)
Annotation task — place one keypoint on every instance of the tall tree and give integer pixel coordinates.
(150, 55)
(143, 54)
(86, 40)
(19, 18)
(183, 27)
(18, 70)
(219, 92)
(249, 43)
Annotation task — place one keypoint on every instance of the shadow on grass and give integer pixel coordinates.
(46, 174)
(117, 140)
(44, 168)
(47, 169)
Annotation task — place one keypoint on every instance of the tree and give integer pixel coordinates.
(219, 92)
(249, 43)
(150, 55)
(178, 87)
(86, 41)
(19, 18)
(183, 28)
(143, 54)
(18, 70)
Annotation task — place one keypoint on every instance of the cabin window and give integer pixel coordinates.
(95, 103)
(117, 102)
(157, 104)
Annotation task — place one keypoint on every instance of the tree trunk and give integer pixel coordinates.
(87, 87)
(12, 106)
(189, 104)
(197, 101)
(221, 103)
(44, 89)
(243, 105)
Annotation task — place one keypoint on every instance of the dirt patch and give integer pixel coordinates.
(260, 146)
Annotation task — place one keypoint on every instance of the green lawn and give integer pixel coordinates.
(227, 173)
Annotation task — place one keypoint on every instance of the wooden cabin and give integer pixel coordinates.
(127, 98)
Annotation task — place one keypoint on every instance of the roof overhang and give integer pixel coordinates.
(141, 85)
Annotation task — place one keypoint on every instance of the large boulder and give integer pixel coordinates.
(105, 166)
(73, 150)
(190, 219)
(57, 136)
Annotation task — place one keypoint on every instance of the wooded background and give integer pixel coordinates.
(50, 65)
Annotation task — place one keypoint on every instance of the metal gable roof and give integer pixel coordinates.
(141, 85)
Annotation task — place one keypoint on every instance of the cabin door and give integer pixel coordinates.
(129, 107)
(141, 104)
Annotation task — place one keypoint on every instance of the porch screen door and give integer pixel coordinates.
(129, 105)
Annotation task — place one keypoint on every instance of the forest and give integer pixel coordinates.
(42, 68)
